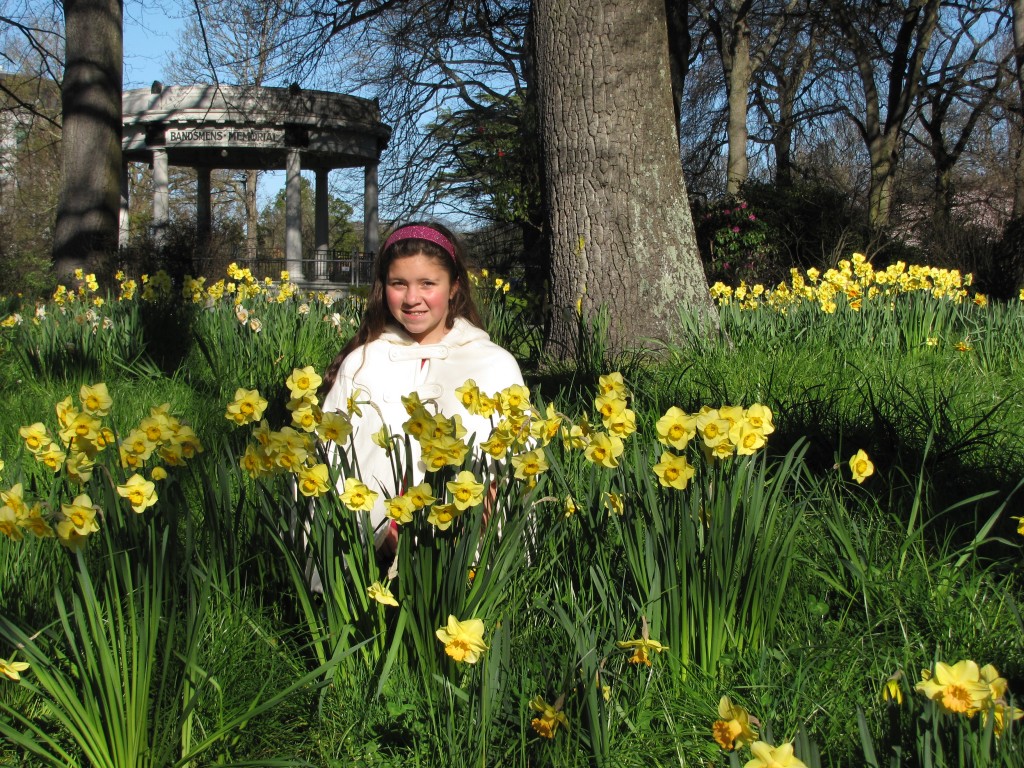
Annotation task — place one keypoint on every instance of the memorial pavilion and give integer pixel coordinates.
(246, 127)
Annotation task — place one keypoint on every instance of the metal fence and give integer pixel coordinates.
(351, 268)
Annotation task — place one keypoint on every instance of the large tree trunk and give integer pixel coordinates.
(621, 232)
(1018, 60)
(87, 216)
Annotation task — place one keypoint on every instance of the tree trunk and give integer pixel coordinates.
(883, 169)
(1018, 47)
(621, 233)
(87, 216)
(739, 93)
(252, 214)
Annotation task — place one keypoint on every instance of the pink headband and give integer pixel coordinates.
(421, 233)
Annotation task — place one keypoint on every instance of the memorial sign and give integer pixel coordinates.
(224, 136)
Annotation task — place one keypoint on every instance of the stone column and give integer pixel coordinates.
(161, 197)
(203, 220)
(123, 223)
(293, 215)
(322, 229)
(371, 235)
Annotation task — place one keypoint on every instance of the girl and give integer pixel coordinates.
(421, 332)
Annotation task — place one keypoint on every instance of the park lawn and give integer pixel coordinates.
(617, 609)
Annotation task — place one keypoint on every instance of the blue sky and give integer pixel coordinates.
(150, 34)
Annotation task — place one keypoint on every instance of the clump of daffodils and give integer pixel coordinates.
(965, 689)
(83, 303)
(72, 452)
(852, 281)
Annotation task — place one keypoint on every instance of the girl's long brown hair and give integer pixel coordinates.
(376, 315)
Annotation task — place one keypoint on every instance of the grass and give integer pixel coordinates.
(774, 579)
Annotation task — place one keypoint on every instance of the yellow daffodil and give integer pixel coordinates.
(288, 448)
(676, 428)
(612, 383)
(190, 443)
(246, 408)
(79, 467)
(412, 403)
(609, 405)
(747, 439)
(604, 449)
(382, 439)
(767, 756)
(1020, 525)
(641, 649)
(441, 516)
(713, 429)
(732, 729)
(469, 396)
(420, 495)
(381, 594)
(305, 415)
(498, 444)
(14, 498)
(569, 506)
(550, 717)
(731, 413)
(547, 428)
(66, 411)
(95, 399)
(399, 509)
(957, 689)
(138, 444)
(35, 437)
(12, 669)
(466, 490)
(530, 465)
(513, 399)
(82, 427)
(303, 382)
(463, 640)
(172, 454)
(79, 518)
(673, 471)
(334, 427)
(10, 523)
(314, 481)
(892, 690)
(1002, 713)
(36, 524)
(576, 435)
(615, 503)
(446, 451)
(861, 466)
(760, 418)
(622, 424)
(997, 685)
(357, 496)
(140, 492)
(158, 474)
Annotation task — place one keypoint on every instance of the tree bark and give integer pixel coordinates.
(738, 74)
(900, 73)
(87, 215)
(252, 214)
(1017, 9)
(621, 233)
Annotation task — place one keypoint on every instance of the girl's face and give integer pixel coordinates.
(417, 291)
